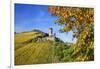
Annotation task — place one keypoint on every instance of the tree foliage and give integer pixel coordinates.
(81, 22)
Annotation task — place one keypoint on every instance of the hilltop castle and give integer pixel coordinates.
(51, 36)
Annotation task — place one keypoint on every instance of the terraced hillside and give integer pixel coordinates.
(28, 51)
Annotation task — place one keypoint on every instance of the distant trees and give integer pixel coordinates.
(81, 22)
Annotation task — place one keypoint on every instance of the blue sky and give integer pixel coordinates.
(29, 17)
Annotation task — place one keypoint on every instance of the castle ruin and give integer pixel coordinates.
(51, 36)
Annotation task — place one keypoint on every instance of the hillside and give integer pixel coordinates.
(32, 48)
(29, 51)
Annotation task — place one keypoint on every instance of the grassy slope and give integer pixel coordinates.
(32, 52)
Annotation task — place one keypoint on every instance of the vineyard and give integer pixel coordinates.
(35, 52)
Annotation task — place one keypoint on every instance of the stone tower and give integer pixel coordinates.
(51, 36)
(50, 32)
